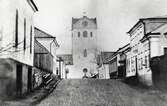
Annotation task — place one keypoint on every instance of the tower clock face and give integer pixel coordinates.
(84, 23)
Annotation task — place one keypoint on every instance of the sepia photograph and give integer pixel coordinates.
(83, 53)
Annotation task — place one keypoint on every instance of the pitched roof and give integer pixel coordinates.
(39, 48)
(121, 50)
(104, 56)
(164, 16)
(67, 58)
(41, 34)
(124, 48)
(151, 24)
(159, 29)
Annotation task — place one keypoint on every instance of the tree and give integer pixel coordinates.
(97, 60)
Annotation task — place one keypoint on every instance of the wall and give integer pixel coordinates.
(159, 73)
(144, 71)
(7, 78)
(25, 79)
(113, 66)
(51, 47)
(135, 44)
(43, 61)
(139, 59)
(129, 72)
(7, 26)
(8, 53)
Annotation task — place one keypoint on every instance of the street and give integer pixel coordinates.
(94, 92)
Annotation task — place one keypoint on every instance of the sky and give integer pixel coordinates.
(114, 19)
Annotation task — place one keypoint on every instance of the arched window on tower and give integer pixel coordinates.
(91, 34)
(85, 53)
(79, 34)
(85, 34)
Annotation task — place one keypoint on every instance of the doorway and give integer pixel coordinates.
(29, 79)
(19, 79)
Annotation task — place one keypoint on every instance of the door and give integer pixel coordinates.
(19, 79)
(29, 79)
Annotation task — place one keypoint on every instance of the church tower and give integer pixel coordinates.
(84, 45)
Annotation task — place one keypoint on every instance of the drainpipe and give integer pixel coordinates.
(149, 46)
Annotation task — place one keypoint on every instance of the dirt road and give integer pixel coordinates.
(102, 93)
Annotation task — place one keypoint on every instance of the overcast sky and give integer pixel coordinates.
(114, 18)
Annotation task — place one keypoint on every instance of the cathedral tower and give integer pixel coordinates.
(84, 45)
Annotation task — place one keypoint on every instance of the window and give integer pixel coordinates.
(79, 34)
(141, 63)
(165, 51)
(146, 62)
(84, 23)
(85, 53)
(16, 29)
(85, 34)
(24, 47)
(31, 39)
(91, 34)
(57, 71)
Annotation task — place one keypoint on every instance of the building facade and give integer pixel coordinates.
(16, 46)
(104, 67)
(84, 46)
(147, 40)
(117, 62)
(65, 63)
(50, 44)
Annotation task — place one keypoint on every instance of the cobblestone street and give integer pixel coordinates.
(102, 93)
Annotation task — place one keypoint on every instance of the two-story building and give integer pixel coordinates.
(51, 45)
(16, 46)
(147, 40)
(117, 62)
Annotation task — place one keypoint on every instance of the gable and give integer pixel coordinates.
(152, 26)
(84, 23)
(39, 48)
(41, 34)
(162, 29)
(104, 57)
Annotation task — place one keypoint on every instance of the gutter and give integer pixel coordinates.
(32, 4)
